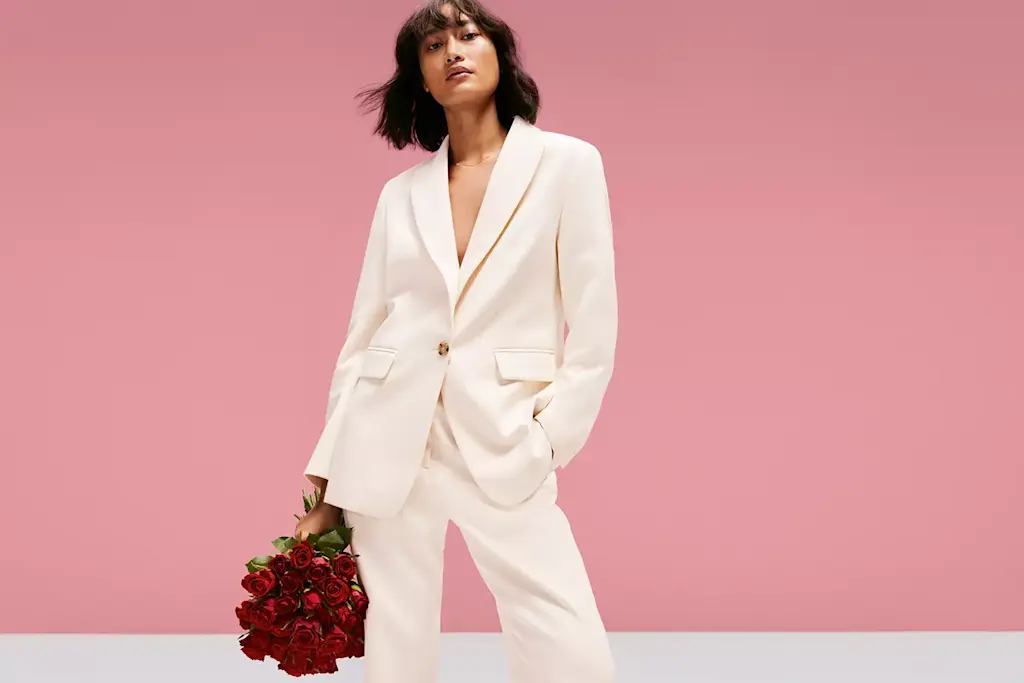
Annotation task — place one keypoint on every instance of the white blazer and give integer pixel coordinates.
(488, 337)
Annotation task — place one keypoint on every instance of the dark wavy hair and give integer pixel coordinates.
(407, 114)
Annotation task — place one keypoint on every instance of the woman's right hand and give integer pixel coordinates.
(318, 520)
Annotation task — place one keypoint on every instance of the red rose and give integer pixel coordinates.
(311, 602)
(279, 564)
(303, 624)
(336, 591)
(345, 566)
(305, 639)
(262, 615)
(325, 665)
(243, 614)
(325, 615)
(255, 645)
(301, 555)
(318, 571)
(346, 619)
(286, 604)
(279, 647)
(293, 582)
(334, 644)
(259, 583)
(360, 602)
(295, 664)
(283, 628)
(356, 647)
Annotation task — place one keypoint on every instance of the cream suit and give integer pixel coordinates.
(457, 394)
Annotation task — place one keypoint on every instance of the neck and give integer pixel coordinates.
(474, 134)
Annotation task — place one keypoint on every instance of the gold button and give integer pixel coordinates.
(442, 349)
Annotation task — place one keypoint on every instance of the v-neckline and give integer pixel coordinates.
(479, 209)
(430, 194)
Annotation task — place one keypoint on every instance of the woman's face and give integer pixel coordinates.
(459, 65)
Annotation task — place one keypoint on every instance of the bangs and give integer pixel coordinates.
(431, 18)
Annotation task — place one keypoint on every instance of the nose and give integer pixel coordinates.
(454, 58)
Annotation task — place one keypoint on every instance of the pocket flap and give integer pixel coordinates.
(376, 362)
(536, 365)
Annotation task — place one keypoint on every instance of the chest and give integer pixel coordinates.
(466, 193)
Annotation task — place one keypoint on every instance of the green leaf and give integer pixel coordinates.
(284, 543)
(345, 533)
(258, 563)
(332, 540)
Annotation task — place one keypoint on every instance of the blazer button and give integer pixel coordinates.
(442, 349)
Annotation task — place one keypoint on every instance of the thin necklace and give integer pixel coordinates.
(482, 160)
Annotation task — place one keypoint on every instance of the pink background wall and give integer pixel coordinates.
(817, 420)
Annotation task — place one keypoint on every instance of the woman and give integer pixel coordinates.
(456, 395)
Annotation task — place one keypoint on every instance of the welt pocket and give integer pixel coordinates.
(532, 365)
(376, 362)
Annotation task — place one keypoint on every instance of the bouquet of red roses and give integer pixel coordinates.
(307, 606)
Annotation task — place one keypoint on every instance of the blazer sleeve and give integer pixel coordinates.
(369, 308)
(586, 272)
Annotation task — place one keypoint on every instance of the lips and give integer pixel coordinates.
(456, 71)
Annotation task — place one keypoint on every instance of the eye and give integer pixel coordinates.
(433, 46)
(470, 36)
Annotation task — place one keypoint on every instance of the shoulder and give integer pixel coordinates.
(571, 149)
(393, 187)
(403, 178)
(576, 161)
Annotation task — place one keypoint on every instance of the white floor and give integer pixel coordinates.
(911, 657)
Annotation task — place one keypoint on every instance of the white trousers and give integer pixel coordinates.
(526, 555)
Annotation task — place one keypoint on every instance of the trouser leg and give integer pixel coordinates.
(400, 563)
(530, 562)
(529, 559)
